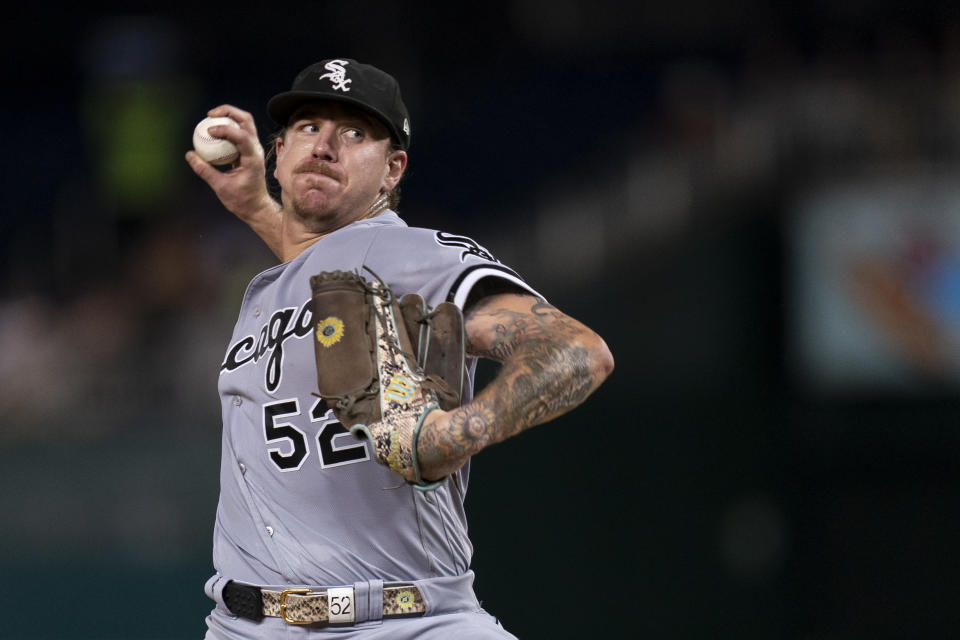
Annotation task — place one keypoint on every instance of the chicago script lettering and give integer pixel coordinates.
(282, 325)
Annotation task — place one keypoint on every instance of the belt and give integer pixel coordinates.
(335, 605)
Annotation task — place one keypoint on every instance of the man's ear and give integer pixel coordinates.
(396, 165)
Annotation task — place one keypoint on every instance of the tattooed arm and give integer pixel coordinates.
(550, 364)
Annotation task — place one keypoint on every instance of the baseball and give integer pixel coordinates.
(214, 150)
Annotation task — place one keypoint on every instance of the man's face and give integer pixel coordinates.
(332, 162)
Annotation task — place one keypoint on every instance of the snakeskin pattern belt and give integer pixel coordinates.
(334, 605)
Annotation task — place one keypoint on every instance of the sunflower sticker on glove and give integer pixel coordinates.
(329, 331)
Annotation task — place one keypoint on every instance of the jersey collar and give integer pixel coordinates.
(387, 218)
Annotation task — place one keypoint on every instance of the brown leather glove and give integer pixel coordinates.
(379, 380)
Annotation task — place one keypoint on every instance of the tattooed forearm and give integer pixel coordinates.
(551, 363)
(549, 380)
(504, 335)
(470, 424)
(505, 328)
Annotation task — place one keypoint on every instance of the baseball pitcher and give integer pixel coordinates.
(349, 417)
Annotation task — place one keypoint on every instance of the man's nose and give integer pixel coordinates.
(325, 145)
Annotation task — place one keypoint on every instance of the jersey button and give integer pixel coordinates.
(243, 468)
(270, 531)
(237, 401)
(256, 312)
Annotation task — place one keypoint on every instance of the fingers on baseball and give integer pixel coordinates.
(236, 135)
(248, 145)
(243, 118)
(244, 136)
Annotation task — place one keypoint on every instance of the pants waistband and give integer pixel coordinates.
(336, 605)
(365, 600)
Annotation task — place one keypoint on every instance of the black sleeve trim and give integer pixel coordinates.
(465, 281)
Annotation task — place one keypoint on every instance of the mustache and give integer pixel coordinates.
(314, 166)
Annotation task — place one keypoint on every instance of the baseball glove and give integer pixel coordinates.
(384, 364)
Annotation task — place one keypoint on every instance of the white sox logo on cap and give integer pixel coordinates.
(375, 91)
(337, 75)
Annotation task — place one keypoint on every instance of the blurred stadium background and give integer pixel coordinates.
(755, 204)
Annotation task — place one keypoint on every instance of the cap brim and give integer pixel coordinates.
(282, 106)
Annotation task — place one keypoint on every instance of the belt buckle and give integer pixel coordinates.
(283, 604)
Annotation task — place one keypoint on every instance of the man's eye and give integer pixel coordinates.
(354, 133)
(309, 128)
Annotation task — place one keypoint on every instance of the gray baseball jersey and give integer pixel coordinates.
(301, 501)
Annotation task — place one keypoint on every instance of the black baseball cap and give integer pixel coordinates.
(352, 82)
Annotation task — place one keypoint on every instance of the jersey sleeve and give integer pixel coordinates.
(439, 266)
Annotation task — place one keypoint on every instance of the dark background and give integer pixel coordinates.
(645, 166)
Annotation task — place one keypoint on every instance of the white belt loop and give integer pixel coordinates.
(376, 600)
(361, 595)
